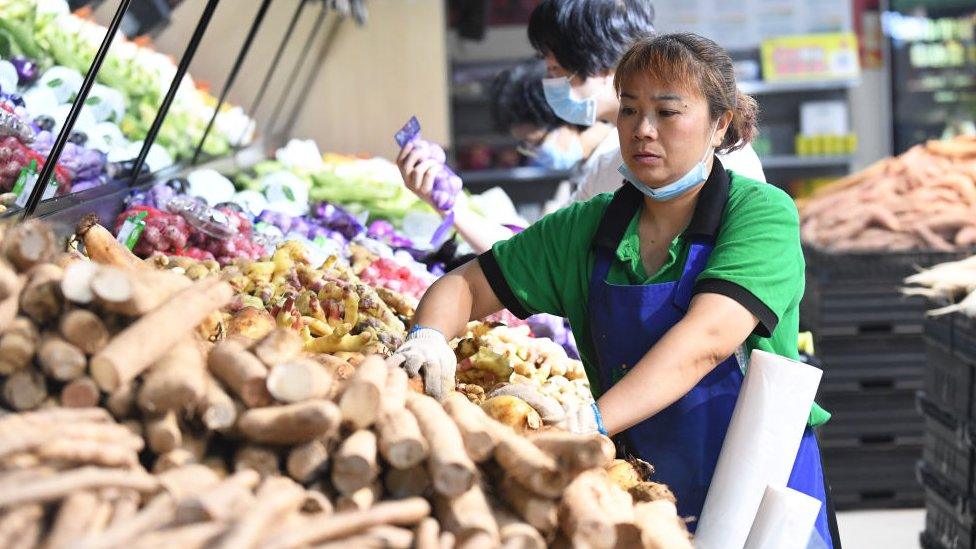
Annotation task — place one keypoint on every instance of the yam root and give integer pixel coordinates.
(77, 281)
(18, 345)
(240, 371)
(176, 382)
(41, 298)
(135, 293)
(102, 247)
(400, 439)
(541, 513)
(24, 390)
(404, 483)
(451, 470)
(660, 526)
(277, 498)
(217, 409)
(306, 461)
(174, 459)
(152, 336)
(479, 440)
(407, 512)
(262, 459)
(591, 508)
(467, 516)
(298, 380)
(59, 359)
(576, 452)
(354, 466)
(188, 481)
(361, 499)
(81, 392)
(73, 519)
(361, 402)
(290, 424)
(528, 464)
(57, 487)
(281, 345)
(514, 412)
(85, 330)
(163, 433)
(222, 502)
(29, 244)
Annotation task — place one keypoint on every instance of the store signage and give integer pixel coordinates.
(831, 56)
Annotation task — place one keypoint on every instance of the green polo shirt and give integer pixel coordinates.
(757, 261)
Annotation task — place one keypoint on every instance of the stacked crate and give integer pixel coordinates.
(869, 339)
(947, 404)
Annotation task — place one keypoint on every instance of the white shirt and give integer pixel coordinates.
(600, 173)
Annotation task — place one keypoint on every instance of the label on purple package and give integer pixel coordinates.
(408, 132)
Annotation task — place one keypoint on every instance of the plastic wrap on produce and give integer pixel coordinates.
(760, 446)
(784, 521)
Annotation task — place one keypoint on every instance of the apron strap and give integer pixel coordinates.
(626, 201)
(695, 263)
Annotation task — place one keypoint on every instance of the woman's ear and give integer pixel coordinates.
(722, 128)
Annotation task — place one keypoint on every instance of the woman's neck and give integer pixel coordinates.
(591, 137)
(669, 219)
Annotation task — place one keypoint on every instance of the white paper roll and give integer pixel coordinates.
(760, 446)
(784, 521)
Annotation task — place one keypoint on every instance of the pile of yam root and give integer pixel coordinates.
(125, 422)
(924, 199)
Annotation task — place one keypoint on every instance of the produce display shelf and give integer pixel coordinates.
(795, 161)
(758, 87)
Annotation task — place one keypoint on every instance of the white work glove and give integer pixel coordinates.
(577, 417)
(427, 353)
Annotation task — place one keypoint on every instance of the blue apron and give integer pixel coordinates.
(682, 441)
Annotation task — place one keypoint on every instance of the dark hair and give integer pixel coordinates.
(517, 98)
(699, 64)
(588, 37)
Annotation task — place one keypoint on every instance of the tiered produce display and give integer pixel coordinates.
(45, 52)
(137, 418)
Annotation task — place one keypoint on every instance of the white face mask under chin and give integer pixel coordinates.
(694, 177)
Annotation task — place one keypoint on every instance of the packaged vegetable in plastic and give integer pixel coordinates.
(285, 192)
(12, 125)
(252, 202)
(201, 217)
(105, 104)
(447, 184)
(163, 232)
(338, 219)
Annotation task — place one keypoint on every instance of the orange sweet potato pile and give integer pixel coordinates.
(923, 199)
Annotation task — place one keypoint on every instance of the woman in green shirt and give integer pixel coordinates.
(668, 283)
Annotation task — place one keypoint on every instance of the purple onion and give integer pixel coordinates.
(338, 219)
(26, 70)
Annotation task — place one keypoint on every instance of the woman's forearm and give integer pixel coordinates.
(455, 299)
(691, 349)
(477, 231)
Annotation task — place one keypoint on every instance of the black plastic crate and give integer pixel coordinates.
(964, 337)
(867, 419)
(831, 309)
(831, 266)
(859, 293)
(949, 379)
(939, 329)
(871, 362)
(873, 477)
(947, 451)
(948, 514)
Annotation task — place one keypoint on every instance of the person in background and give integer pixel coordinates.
(669, 283)
(518, 107)
(581, 42)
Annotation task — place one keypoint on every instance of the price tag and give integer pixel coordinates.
(132, 229)
(25, 184)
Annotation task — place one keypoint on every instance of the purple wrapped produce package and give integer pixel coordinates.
(447, 184)
(556, 329)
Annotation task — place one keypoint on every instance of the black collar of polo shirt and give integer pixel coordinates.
(705, 222)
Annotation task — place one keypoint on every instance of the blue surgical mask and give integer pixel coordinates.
(695, 176)
(559, 95)
(553, 157)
